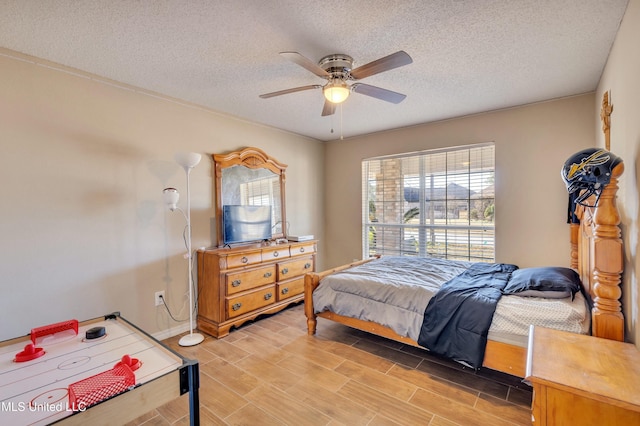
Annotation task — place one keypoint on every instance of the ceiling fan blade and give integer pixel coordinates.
(378, 92)
(387, 63)
(286, 91)
(306, 63)
(329, 108)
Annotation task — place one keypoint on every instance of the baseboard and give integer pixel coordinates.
(170, 332)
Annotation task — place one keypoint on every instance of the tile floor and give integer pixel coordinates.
(269, 372)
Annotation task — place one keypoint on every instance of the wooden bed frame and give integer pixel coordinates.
(596, 253)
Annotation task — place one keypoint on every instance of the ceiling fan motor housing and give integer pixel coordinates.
(338, 65)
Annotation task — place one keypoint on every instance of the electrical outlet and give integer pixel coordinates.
(159, 296)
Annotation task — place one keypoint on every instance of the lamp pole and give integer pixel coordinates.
(189, 161)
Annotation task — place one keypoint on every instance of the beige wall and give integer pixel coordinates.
(82, 225)
(621, 77)
(532, 143)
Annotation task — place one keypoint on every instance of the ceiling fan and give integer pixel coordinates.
(338, 69)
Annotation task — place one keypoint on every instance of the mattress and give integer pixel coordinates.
(394, 292)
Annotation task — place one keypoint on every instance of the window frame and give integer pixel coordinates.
(448, 236)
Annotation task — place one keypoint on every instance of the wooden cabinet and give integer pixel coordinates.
(235, 285)
(582, 380)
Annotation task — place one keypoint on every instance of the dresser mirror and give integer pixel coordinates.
(250, 178)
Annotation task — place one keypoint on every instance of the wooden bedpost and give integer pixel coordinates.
(311, 281)
(607, 318)
(574, 233)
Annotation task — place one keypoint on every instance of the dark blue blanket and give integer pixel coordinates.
(457, 319)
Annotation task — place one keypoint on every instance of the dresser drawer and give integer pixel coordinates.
(248, 302)
(275, 253)
(290, 288)
(246, 280)
(244, 259)
(294, 268)
(304, 248)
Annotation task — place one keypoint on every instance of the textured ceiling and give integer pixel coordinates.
(469, 56)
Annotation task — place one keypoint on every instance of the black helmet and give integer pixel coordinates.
(587, 172)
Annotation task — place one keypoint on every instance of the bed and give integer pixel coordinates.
(596, 256)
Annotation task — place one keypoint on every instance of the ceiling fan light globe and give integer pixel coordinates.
(336, 93)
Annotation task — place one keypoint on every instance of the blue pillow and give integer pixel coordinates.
(549, 282)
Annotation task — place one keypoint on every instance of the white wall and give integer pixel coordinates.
(83, 231)
(621, 77)
(532, 143)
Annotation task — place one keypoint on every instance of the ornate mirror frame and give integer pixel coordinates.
(253, 159)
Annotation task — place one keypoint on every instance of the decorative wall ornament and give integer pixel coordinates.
(605, 116)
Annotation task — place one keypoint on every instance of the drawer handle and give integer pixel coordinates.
(268, 296)
(285, 271)
(301, 249)
(276, 254)
(244, 259)
(307, 265)
(236, 283)
(267, 274)
(236, 306)
(285, 290)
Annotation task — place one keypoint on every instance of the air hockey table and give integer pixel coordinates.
(101, 371)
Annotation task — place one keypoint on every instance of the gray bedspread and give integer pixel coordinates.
(392, 291)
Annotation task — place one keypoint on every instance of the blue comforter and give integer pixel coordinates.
(457, 319)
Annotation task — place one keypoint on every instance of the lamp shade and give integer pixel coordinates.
(171, 197)
(188, 160)
(336, 92)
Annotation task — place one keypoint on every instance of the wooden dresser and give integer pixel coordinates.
(582, 380)
(237, 284)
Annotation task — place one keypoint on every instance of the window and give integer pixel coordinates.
(438, 203)
(260, 192)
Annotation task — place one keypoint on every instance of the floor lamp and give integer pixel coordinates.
(188, 160)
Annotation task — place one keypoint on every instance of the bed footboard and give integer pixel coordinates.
(311, 282)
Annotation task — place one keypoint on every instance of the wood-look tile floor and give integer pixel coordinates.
(269, 372)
